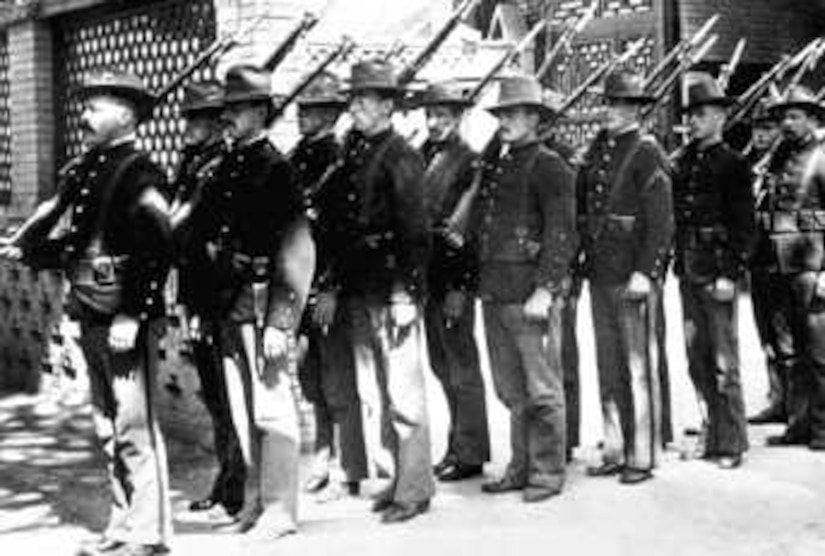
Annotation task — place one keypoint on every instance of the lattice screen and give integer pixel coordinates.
(568, 9)
(155, 42)
(5, 122)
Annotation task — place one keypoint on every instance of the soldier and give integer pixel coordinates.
(204, 147)
(379, 238)
(116, 254)
(713, 209)
(765, 132)
(791, 221)
(452, 276)
(257, 233)
(626, 220)
(327, 372)
(523, 223)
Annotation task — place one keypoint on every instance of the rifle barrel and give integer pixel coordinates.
(307, 22)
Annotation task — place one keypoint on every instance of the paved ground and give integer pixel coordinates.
(53, 493)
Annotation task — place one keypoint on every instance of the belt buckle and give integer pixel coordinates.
(260, 268)
(103, 270)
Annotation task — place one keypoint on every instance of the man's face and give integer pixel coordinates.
(797, 123)
(517, 124)
(619, 114)
(370, 112)
(763, 135)
(244, 120)
(312, 120)
(105, 118)
(706, 121)
(441, 121)
(200, 128)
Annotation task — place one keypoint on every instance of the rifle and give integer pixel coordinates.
(217, 49)
(682, 47)
(346, 46)
(745, 102)
(395, 50)
(408, 74)
(307, 22)
(691, 59)
(729, 68)
(567, 36)
(808, 64)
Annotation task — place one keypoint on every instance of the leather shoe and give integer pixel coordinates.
(729, 461)
(772, 414)
(447, 461)
(539, 494)
(460, 471)
(100, 546)
(316, 483)
(783, 440)
(499, 486)
(203, 504)
(631, 476)
(404, 511)
(606, 469)
(381, 504)
(130, 549)
(817, 444)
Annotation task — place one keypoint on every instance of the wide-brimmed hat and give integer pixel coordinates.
(247, 83)
(205, 96)
(521, 90)
(374, 75)
(798, 96)
(705, 91)
(323, 92)
(626, 86)
(120, 84)
(761, 115)
(443, 94)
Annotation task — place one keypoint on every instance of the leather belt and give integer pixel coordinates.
(100, 269)
(805, 220)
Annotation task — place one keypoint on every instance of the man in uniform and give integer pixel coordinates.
(379, 240)
(327, 372)
(204, 147)
(116, 254)
(791, 223)
(257, 233)
(765, 132)
(524, 226)
(713, 208)
(452, 278)
(626, 220)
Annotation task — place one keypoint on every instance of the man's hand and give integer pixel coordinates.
(454, 304)
(123, 333)
(723, 290)
(819, 288)
(403, 314)
(537, 306)
(276, 343)
(323, 315)
(9, 251)
(638, 287)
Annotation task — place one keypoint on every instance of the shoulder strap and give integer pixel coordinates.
(109, 193)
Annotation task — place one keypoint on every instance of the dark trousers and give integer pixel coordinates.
(796, 334)
(228, 486)
(327, 377)
(454, 360)
(664, 372)
(627, 352)
(712, 343)
(525, 360)
(123, 386)
(762, 303)
(570, 364)
(391, 385)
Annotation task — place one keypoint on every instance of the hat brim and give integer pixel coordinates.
(144, 101)
(201, 107)
(812, 107)
(381, 89)
(630, 99)
(239, 98)
(339, 104)
(722, 102)
(544, 111)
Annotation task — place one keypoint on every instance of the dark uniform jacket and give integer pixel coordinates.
(246, 218)
(450, 170)
(625, 208)
(791, 209)
(377, 231)
(135, 231)
(197, 279)
(713, 208)
(524, 223)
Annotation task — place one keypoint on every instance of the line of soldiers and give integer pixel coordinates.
(353, 254)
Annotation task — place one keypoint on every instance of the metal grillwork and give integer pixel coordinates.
(155, 42)
(5, 122)
(570, 9)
